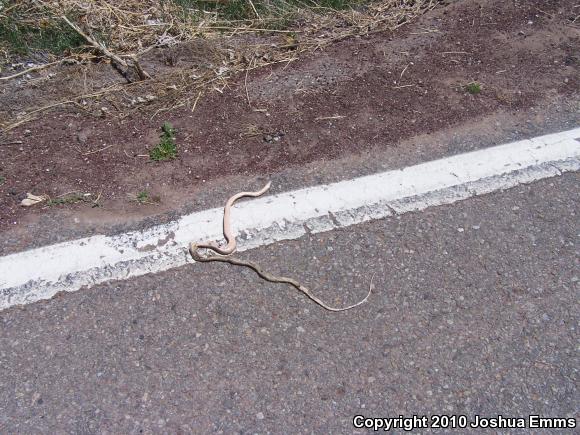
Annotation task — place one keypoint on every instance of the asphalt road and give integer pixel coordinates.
(475, 312)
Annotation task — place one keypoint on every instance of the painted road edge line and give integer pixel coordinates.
(37, 274)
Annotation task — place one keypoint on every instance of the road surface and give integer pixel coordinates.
(475, 313)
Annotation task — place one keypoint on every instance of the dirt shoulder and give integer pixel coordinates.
(380, 95)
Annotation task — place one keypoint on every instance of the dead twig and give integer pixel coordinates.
(254, 9)
(74, 101)
(97, 151)
(324, 118)
(29, 70)
(17, 124)
(195, 102)
(7, 144)
(405, 69)
(249, 29)
(120, 64)
(246, 82)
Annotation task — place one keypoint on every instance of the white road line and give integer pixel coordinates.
(29, 276)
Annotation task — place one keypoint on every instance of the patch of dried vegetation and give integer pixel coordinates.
(124, 31)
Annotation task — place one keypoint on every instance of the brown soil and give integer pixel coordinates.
(374, 92)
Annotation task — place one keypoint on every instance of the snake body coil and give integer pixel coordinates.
(230, 247)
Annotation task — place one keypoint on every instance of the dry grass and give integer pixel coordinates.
(134, 26)
(130, 28)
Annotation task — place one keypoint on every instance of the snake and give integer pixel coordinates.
(230, 247)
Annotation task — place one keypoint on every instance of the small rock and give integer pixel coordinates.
(260, 416)
(36, 397)
(273, 137)
(32, 199)
(83, 135)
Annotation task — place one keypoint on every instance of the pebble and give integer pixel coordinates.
(83, 135)
(273, 137)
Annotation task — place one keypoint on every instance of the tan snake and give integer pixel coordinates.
(228, 233)
(231, 247)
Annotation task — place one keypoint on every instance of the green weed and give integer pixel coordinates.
(166, 149)
(73, 198)
(143, 197)
(473, 88)
(21, 38)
